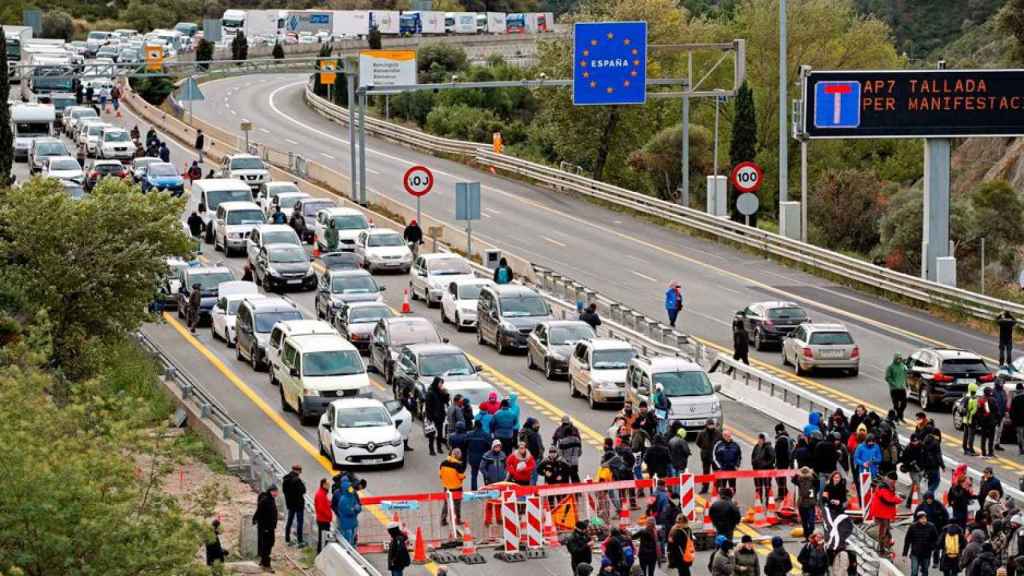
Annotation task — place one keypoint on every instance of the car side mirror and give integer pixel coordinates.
(294, 372)
(202, 207)
(383, 288)
(717, 387)
(478, 367)
(444, 340)
(493, 315)
(325, 425)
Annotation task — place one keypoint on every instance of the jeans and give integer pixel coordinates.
(296, 514)
(457, 505)
(968, 444)
(807, 518)
(950, 572)
(349, 535)
(915, 482)
(999, 432)
(474, 471)
(1005, 353)
(647, 568)
(934, 479)
(919, 566)
(705, 464)
(672, 315)
(988, 435)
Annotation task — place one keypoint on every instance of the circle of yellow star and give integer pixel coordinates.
(583, 63)
(636, 62)
(633, 73)
(611, 36)
(610, 89)
(593, 42)
(626, 42)
(586, 52)
(593, 84)
(634, 51)
(625, 83)
(586, 74)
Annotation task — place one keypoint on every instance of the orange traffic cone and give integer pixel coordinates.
(916, 497)
(760, 521)
(550, 533)
(788, 509)
(468, 546)
(624, 515)
(406, 307)
(419, 553)
(714, 489)
(708, 526)
(748, 518)
(772, 517)
(853, 505)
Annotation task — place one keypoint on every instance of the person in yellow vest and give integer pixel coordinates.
(969, 411)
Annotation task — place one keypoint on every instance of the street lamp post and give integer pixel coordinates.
(783, 103)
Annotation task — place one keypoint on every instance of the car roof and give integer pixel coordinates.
(146, 159)
(63, 157)
(440, 256)
(273, 227)
(207, 270)
(238, 205)
(298, 193)
(825, 327)
(307, 326)
(435, 349)
(271, 304)
(276, 246)
(47, 140)
(342, 210)
(464, 281)
(357, 402)
(107, 163)
(452, 386)
(218, 184)
(609, 344)
(238, 156)
(113, 128)
(356, 272)
(406, 320)
(669, 363)
(380, 231)
(563, 323)
(776, 304)
(280, 183)
(511, 290)
(321, 342)
(949, 353)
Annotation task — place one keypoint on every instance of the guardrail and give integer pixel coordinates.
(814, 257)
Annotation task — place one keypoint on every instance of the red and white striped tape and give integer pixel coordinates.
(534, 522)
(510, 521)
(687, 498)
(865, 488)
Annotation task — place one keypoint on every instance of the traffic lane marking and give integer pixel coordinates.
(644, 276)
(553, 241)
(273, 415)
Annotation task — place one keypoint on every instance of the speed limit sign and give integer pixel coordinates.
(747, 177)
(418, 181)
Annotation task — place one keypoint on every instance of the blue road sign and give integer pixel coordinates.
(610, 63)
(467, 200)
(837, 104)
(190, 91)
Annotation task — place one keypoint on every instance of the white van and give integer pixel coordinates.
(317, 369)
(693, 399)
(283, 330)
(210, 193)
(30, 121)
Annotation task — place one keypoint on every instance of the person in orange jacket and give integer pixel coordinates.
(324, 516)
(520, 465)
(884, 501)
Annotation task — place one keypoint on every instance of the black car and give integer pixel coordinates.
(392, 334)
(280, 267)
(418, 364)
(304, 212)
(340, 261)
(770, 322)
(938, 377)
(337, 287)
(550, 345)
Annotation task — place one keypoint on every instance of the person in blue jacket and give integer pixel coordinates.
(483, 421)
(813, 424)
(478, 442)
(868, 456)
(673, 302)
(503, 425)
(727, 457)
(513, 405)
(347, 507)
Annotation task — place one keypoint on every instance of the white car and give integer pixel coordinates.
(80, 129)
(234, 222)
(383, 249)
(91, 137)
(247, 168)
(269, 190)
(116, 143)
(74, 114)
(432, 273)
(283, 330)
(360, 432)
(222, 317)
(402, 417)
(458, 303)
(64, 168)
(597, 370)
(266, 234)
(287, 201)
(349, 223)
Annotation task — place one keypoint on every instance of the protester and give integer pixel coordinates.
(868, 456)
(806, 499)
(503, 273)
(985, 420)
(784, 446)
(1017, 415)
(164, 152)
(520, 465)
(813, 557)
(590, 316)
(324, 516)
(413, 235)
(578, 545)
(452, 473)
(952, 547)
(746, 561)
(896, 377)
(835, 495)
(681, 549)
(552, 468)
(970, 411)
(919, 543)
(215, 552)
(570, 447)
(194, 172)
(347, 507)
(435, 409)
(959, 497)
(679, 451)
(934, 510)
(722, 563)
(910, 463)
(724, 513)
(398, 550)
(740, 342)
(503, 425)
(265, 520)
(649, 553)
(707, 439)
(778, 562)
(295, 502)
(883, 509)
(762, 457)
(1006, 323)
(492, 465)
(1000, 407)
(727, 457)
(673, 302)
(478, 441)
(200, 143)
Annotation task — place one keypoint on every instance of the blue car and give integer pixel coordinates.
(163, 176)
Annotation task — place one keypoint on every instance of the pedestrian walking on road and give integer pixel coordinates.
(673, 302)
(883, 509)
(707, 439)
(200, 143)
(434, 410)
(570, 447)
(747, 562)
(1006, 323)
(295, 502)
(324, 516)
(398, 550)
(194, 172)
(681, 549)
(578, 545)
(346, 505)
(590, 316)
(813, 557)
(762, 457)
(896, 377)
(740, 342)
(778, 562)
(413, 236)
(985, 420)
(503, 273)
(1000, 406)
(265, 520)
(727, 457)
(195, 302)
(725, 515)
(806, 499)
(164, 152)
(115, 98)
(919, 544)
(951, 547)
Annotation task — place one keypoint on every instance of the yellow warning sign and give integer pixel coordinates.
(154, 58)
(564, 515)
(328, 74)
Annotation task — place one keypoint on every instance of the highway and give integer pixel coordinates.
(619, 255)
(250, 398)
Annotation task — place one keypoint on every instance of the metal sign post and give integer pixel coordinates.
(467, 207)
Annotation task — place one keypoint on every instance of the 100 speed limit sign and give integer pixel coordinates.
(418, 180)
(747, 177)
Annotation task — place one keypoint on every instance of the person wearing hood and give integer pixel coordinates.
(347, 507)
(970, 411)
(458, 437)
(728, 457)
(673, 302)
(778, 562)
(584, 570)
(521, 466)
(265, 520)
(883, 509)
(452, 474)
(294, 501)
(896, 378)
(478, 442)
(986, 564)
(826, 458)
(215, 551)
(932, 460)
(934, 509)
(503, 426)
(1000, 406)
(839, 424)
(746, 561)
(662, 408)
(658, 458)
(762, 457)
(578, 545)
(813, 424)
(706, 441)
(491, 405)
(803, 451)
(951, 547)
(868, 456)
(530, 434)
(784, 446)
(740, 342)
(570, 447)
(435, 410)
(919, 543)
(492, 465)
(910, 463)
(678, 540)
(985, 421)
(993, 506)
(813, 557)
(834, 494)
(806, 499)
(679, 451)
(1006, 323)
(398, 550)
(859, 436)
(723, 563)
(975, 540)
(503, 273)
(725, 515)
(455, 414)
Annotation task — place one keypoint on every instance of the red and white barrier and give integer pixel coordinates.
(509, 522)
(534, 523)
(687, 497)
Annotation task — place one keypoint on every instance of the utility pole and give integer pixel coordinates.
(783, 103)
(684, 187)
(350, 79)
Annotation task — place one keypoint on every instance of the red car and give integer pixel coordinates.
(103, 168)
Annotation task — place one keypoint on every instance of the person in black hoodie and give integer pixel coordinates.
(265, 520)
(435, 408)
(294, 501)
(398, 550)
(783, 458)
(762, 457)
(657, 458)
(986, 564)
(725, 515)
(813, 557)
(778, 562)
(835, 494)
(706, 441)
(920, 541)
(578, 545)
(826, 457)
(214, 551)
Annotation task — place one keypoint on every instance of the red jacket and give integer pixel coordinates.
(520, 476)
(322, 505)
(883, 503)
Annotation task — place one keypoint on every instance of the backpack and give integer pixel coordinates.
(503, 276)
(983, 566)
(690, 552)
(952, 545)
(628, 553)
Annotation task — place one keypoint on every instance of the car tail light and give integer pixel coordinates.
(987, 377)
(940, 377)
(808, 353)
(856, 352)
(768, 323)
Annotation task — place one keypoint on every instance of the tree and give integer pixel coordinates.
(1011, 21)
(844, 208)
(6, 136)
(278, 52)
(436, 61)
(58, 24)
(743, 146)
(239, 47)
(373, 39)
(204, 53)
(660, 160)
(94, 279)
(153, 90)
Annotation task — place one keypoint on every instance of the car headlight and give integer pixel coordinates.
(310, 392)
(396, 442)
(508, 327)
(342, 445)
(274, 272)
(234, 235)
(716, 406)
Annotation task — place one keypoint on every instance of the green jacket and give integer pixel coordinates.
(896, 375)
(972, 403)
(332, 238)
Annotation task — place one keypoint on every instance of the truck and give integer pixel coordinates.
(264, 23)
(515, 23)
(386, 21)
(537, 22)
(350, 23)
(460, 22)
(232, 22)
(422, 22)
(29, 121)
(16, 36)
(495, 23)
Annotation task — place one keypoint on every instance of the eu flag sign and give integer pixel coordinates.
(610, 63)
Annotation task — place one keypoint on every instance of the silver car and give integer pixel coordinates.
(811, 346)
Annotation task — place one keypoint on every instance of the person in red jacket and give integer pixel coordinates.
(322, 507)
(520, 464)
(884, 501)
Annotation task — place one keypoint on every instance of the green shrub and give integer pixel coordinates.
(462, 122)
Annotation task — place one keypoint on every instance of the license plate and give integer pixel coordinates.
(694, 422)
(832, 354)
(373, 460)
(294, 281)
(965, 381)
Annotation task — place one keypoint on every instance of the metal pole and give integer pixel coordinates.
(190, 98)
(469, 238)
(982, 264)
(803, 189)
(684, 187)
(387, 107)
(418, 218)
(783, 102)
(715, 151)
(362, 151)
(351, 81)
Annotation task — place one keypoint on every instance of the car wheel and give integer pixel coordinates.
(590, 397)
(480, 336)
(285, 407)
(238, 353)
(444, 317)
(216, 245)
(572, 388)
(758, 340)
(255, 360)
(304, 418)
(498, 345)
(854, 372)
(412, 292)
(925, 398)
(548, 372)
(213, 332)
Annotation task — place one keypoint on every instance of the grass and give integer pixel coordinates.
(194, 446)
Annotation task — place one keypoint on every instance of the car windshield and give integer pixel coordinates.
(558, 335)
(74, 190)
(351, 222)
(470, 291)
(406, 334)
(454, 364)
(161, 170)
(385, 240)
(786, 314)
(247, 164)
(340, 261)
(524, 305)
(208, 281)
(353, 285)
(64, 164)
(217, 197)
(288, 255)
(95, 129)
(106, 169)
(288, 201)
(692, 383)
(233, 306)
(115, 136)
(266, 320)
(964, 365)
(32, 128)
(332, 363)
(280, 237)
(84, 113)
(365, 314)
(245, 217)
(369, 417)
(448, 266)
(831, 338)
(611, 359)
(51, 149)
(311, 208)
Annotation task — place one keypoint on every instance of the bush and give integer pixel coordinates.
(660, 160)
(413, 106)
(436, 61)
(844, 209)
(204, 52)
(464, 123)
(58, 24)
(153, 90)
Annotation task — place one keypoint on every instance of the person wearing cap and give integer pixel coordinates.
(552, 468)
(707, 439)
(578, 545)
(324, 516)
(778, 562)
(678, 448)
(951, 547)
(673, 302)
(725, 515)
(398, 550)
(936, 512)
(294, 501)
(347, 507)
(746, 561)
(265, 520)
(883, 509)
(492, 465)
(813, 557)
(413, 236)
(570, 447)
(452, 473)
(919, 543)
(722, 561)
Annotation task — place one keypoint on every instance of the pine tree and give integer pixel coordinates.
(744, 139)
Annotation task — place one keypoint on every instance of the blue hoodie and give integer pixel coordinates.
(513, 405)
(346, 506)
(484, 420)
(504, 423)
(869, 454)
(813, 424)
(478, 441)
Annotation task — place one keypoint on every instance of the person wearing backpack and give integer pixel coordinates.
(986, 563)
(952, 544)
(985, 419)
(682, 550)
(503, 273)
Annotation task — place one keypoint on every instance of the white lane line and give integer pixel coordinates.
(492, 211)
(290, 141)
(553, 241)
(264, 130)
(233, 113)
(372, 171)
(485, 215)
(644, 276)
(326, 155)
